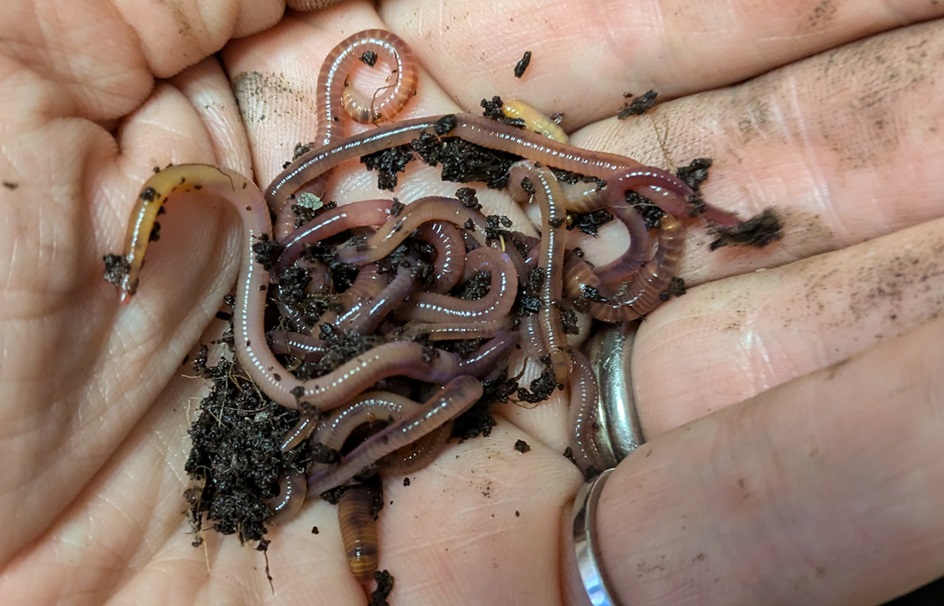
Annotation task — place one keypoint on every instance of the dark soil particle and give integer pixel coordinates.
(695, 173)
(148, 194)
(388, 163)
(522, 446)
(478, 420)
(267, 251)
(541, 387)
(467, 196)
(300, 150)
(568, 320)
(493, 110)
(638, 106)
(116, 268)
(369, 58)
(651, 213)
(445, 125)
(292, 283)
(12, 186)
(384, 581)
(676, 288)
(463, 162)
(569, 454)
(522, 64)
(590, 222)
(396, 208)
(758, 231)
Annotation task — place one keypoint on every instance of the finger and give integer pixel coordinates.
(841, 145)
(206, 88)
(729, 340)
(604, 49)
(59, 47)
(780, 505)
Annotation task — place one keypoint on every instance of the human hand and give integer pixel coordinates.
(755, 495)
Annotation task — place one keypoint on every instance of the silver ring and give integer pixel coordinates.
(589, 574)
(618, 433)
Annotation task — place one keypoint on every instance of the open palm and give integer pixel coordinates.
(798, 109)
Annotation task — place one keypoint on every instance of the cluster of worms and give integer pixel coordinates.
(431, 299)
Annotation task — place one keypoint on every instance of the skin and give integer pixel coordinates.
(794, 415)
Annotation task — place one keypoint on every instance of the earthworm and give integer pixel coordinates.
(394, 358)
(294, 316)
(371, 407)
(533, 120)
(489, 354)
(367, 285)
(259, 362)
(416, 455)
(644, 292)
(452, 400)
(335, 73)
(548, 194)
(583, 196)
(584, 417)
(449, 251)
(292, 490)
(478, 130)
(497, 303)
(449, 331)
(623, 267)
(367, 315)
(200, 180)
(332, 430)
(330, 223)
(397, 229)
(531, 338)
(359, 531)
(296, 344)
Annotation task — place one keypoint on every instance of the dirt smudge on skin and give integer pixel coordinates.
(260, 96)
(821, 17)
